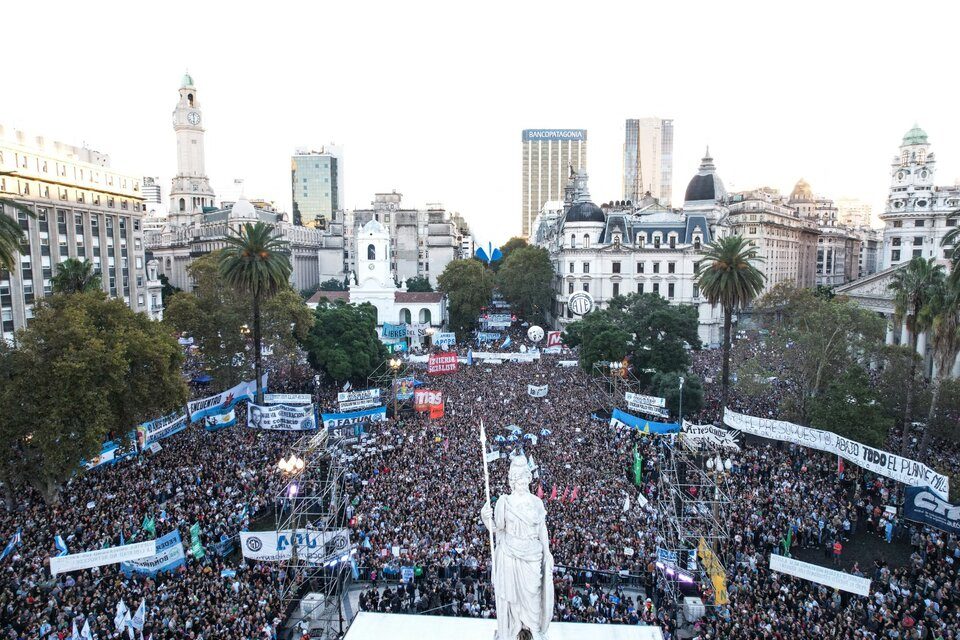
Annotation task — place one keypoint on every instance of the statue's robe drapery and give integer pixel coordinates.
(523, 573)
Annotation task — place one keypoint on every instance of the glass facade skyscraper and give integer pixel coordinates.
(648, 160)
(549, 156)
(316, 179)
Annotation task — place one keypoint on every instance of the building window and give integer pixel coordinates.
(586, 287)
(656, 288)
(371, 252)
(425, 316)
(897, 224)
(696, 243)
(183, 204)
(671, 267)
(571, 267)
(586, 241)
(656, 242)
(616, 289)
(640, 267)
(919, 223)
(895, 255)
(917, 253)
(918, 241)
(573, 241)
(586, 267)
(569, 287)
(616, 268)
(895, 242)
(640, 287)
(673, 242)
(656, 267)
(670, 288)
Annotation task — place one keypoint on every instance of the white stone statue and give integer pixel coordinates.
(522, 562)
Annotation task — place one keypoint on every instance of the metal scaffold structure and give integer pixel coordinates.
(612, 380)
(311, 523)
(385, 378)
(693, 509)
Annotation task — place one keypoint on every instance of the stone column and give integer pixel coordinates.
(889, 330)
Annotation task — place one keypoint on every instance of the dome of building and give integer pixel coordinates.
(706, 185)
(243, 209)
(186, 81)
(915, 136)
(585, 212)
(801, 192)
(372, 227)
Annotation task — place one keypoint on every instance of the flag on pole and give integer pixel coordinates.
(14, 541)
(136, 622)
(149, 525)
(553, 493)
(840, 467)
(626, 504)
(506, 343)
(196, 548)
(75, 635)
(123, 616)
(576, 492)
(470, 357)
(637, 467)
(60, 545)
(566, 493)
(540, 491)
(85, 633)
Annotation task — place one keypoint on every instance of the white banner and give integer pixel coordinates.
(537, 391)
(287, 398)
(905, 470)
(353, 400)
(639, 407)
(224, 400)
(820, 575)
(281, 417)
(639, 398)
(445, 339)
(312, 546)
(100, 557)
(709, 435)
(529, 356)
(417, 330)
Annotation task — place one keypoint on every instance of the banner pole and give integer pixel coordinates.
(486, 484)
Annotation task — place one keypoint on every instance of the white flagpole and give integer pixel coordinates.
(486, 483)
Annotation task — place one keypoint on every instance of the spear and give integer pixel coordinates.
(486, 483)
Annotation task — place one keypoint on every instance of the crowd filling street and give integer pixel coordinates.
(414, 491)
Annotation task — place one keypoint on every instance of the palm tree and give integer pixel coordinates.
(11, 235)
(945, 330)
(953, 238)
(256, 263)
(914, 286)
(75, 276)
(727, 276)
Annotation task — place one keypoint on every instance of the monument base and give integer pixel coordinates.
(377, 626)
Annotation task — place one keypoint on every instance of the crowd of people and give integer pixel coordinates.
(414, 490)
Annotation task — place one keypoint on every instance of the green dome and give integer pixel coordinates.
(187, 81)
(915, 136)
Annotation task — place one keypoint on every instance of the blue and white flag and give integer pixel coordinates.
(169, 556)
(14, 541)
(61, 545)
(470, 357)
(506, 343)
(85, 633)
(228, 573)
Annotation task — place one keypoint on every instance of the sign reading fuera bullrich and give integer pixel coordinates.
(554, 134)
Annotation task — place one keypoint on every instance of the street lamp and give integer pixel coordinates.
(680, 409)
(290, 468)
(394, 364)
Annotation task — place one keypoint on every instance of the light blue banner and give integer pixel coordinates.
(339, 420)
(169, 556)
(394, 330)
(488, 336)
(646, 426)
(225, 400)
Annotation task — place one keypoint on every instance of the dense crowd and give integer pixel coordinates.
(415, 486)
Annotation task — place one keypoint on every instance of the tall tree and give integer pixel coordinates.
(944, 307)
(663, 333)
(343, 341)
(601, 337)
(419, 284)
(255, 262)
(667, 386)
(468, 285)
(727, 276)
(11, 235)
(914, 286)
(85, 369)
(952, 239)
(75, 276)
(525, 278)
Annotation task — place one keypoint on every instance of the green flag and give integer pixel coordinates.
(149, 526)
(195, 547)
(637, 467)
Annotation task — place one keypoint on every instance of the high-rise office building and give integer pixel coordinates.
(648, 160)
(549, 157)
(316, 180)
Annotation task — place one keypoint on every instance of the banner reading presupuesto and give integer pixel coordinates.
(281, 417)
(441, 363)
(225, 400)
(890, 465)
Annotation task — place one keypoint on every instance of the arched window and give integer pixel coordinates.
(696, 242)
(425, 316)
(656, 241)
(405, 315)
(190, 99)
(573, 241)
(371, 252)
(586, 241)
(183, 204)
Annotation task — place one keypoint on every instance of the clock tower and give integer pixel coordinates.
(190, 189)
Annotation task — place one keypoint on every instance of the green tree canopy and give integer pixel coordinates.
(333, 285)
(87, 368)
(509, 247)
(468, 285)
(343, 341)
(419, 284)
(75, 276)
(525, 279)
(11, 235)
(667, 386)
(849, 406)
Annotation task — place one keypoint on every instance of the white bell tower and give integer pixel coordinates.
(373, 257)
(190, 190)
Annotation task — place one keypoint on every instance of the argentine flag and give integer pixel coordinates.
(14, 541)
(506, 343)
(470, 357)
(61, 545)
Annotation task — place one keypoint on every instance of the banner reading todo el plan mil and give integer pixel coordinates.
(890, 465)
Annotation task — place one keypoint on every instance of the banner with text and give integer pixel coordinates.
(820, 575)
(169, 556)
(281, 417)
(353, 400)
(101, 557)
(312, 546)
(424, 399)
(554, 339)
(535, 391)
(417, 330)
(653, 405)
(394, 330)
(890, 465)
(225, 400)
(339, 420)
(488, 336)
(403, 387)
(445, 339)
(150, 432)
(709, 435)
(923, 505)
(624, 419)
(287, 398)
(442, 363)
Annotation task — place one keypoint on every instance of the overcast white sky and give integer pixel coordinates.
(430, 98)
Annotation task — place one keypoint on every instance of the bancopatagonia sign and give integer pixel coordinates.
(554, 134)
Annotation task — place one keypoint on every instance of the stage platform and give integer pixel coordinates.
(378, 626)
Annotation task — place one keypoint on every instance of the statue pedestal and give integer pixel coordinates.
(377, 626)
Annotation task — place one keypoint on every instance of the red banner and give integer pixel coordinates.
(441, 363)
(436, 410)
(554, 339)
(429, 400)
